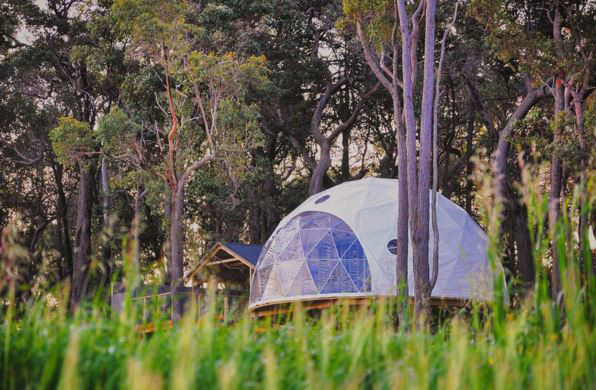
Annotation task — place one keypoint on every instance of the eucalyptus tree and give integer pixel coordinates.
(64, 62)
(205, 117)
(548, 45)
(331, 51)
(413, 201)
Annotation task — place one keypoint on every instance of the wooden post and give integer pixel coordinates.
(225, 308)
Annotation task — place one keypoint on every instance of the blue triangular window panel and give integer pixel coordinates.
(339, 282)
(303, 284)
(321, 270)
(338, 224)
(358, 271)
(263, 278)
(367, 285)
(318, 221)
(306, 217)
(343, 241)
(310, 238)
(325, 249)
(293, 251)
(354, 252)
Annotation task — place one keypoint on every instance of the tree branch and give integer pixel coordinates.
(315, 124)
(352, 119)
(368, 55)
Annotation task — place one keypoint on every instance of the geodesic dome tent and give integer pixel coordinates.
(341, 243)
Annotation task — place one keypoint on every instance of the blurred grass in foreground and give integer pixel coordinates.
(533, 344)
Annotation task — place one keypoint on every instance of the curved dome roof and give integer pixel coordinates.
(340, 243)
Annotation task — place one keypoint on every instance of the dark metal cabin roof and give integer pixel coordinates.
(250, 252)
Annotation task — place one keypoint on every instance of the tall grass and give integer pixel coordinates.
(538, 345)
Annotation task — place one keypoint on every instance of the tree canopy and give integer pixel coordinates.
(210, 120)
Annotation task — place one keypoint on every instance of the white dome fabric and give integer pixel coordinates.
(337, 244)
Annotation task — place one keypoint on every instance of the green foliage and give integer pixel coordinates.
(376, 17)
(72, 140)
(227, 74)
(157, 27)
(113, 131)
(522, 36)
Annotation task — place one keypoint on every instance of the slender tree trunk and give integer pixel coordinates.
(139, 195)
(345, 156)
(554, 206)
(271, 216)
(411, 152)
(105, 189)
(254, 214)
(410, 122)
(554, 209)
(421, 264)
(62, 210)
(401, 270)
(168, 229)
(435, 155)
(318, 175)
(578, 97)
(177, 234)
(469, 152)
(523, 243)
(177, 245)
(401, 132)
(500, 161)
(82, 235)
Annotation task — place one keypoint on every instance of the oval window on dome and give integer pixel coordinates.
(322, 199)
(392, 246)
(313, 253)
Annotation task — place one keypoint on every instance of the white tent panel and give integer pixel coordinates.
(336, 244)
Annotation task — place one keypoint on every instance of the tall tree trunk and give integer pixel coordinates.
(82, 235)
(410, 122)
(105, 190)
(554, 205)
(421, 265)
(139, 195)
(62, 210)
(271, 216)
(401, 270)
(578, 97)
(168, 229)
(401, 132)
(469, 153)
(177, 246)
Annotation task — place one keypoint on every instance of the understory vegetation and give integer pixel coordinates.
(531, 348)
(523, 342)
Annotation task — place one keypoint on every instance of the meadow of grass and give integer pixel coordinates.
(532, 344)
